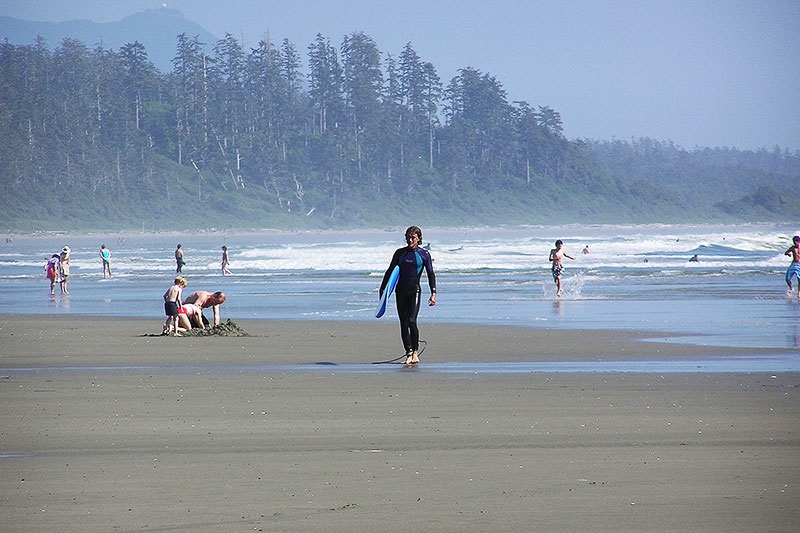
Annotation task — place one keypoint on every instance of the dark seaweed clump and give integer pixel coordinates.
(225, 329)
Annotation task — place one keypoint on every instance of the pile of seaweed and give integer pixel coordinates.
(225, 329)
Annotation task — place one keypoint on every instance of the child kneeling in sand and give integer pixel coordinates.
(172, 302)
(189, 315)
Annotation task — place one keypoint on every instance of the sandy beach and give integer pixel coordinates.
(107, 427)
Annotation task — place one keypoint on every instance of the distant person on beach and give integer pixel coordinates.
(557, 256)
(64, 263)
(105, 257)
(412, 260)
(204, 300)
(225, 261)
(52, 271)
(172, 302)
(585, 249)
(179, 262)
(794, 268)
(694, 259)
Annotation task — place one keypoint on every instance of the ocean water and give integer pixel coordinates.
(633, 278)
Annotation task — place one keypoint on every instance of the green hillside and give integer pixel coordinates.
(101, 139)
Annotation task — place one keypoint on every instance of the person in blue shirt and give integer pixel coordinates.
(105, 257)
(412, 260)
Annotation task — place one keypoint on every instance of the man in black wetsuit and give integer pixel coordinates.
(412, 260)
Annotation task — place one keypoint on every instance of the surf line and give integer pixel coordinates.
(397, 359)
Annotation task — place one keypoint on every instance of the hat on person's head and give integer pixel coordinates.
(65, 250)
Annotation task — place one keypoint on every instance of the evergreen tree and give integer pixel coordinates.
(102, 132)
(325, 84)
(190, 70)
(363, 81)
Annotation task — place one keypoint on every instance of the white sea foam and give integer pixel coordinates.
(635, 277)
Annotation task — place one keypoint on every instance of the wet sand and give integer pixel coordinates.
(144, 432)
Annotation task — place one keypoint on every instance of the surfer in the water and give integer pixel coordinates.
(412, 260)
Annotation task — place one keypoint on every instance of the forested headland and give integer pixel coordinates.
(93, 139)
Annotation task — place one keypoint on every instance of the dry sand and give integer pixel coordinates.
(187, 444)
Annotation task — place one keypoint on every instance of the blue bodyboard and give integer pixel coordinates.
(393, 277)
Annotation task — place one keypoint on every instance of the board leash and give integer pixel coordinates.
(397, 359)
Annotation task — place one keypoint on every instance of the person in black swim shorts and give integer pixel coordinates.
(557, 256)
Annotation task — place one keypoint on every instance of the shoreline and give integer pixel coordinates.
(546, 228)
(50, 340)
(396, 450)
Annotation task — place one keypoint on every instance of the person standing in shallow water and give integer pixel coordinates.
(65, 257)
(225, 261)
(794, 267)
(412, 260)
(179, 262)
(52, 271)
(557, 256)
(105, 257)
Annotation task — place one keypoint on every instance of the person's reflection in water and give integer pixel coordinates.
(797, 331)
(59, 302)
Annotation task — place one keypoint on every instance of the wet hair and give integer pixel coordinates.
(559, 242)
(411, 230)
(796, 238)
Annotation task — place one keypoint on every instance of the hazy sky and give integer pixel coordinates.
(698, 73)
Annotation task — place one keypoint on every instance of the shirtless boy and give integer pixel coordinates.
(557, 256)
(794, 267)
(172, 302)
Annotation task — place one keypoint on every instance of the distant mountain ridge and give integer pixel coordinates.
(156, 29)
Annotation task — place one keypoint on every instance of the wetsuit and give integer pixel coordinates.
(412, 262)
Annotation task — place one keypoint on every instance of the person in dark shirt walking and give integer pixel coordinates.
(412, 260)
